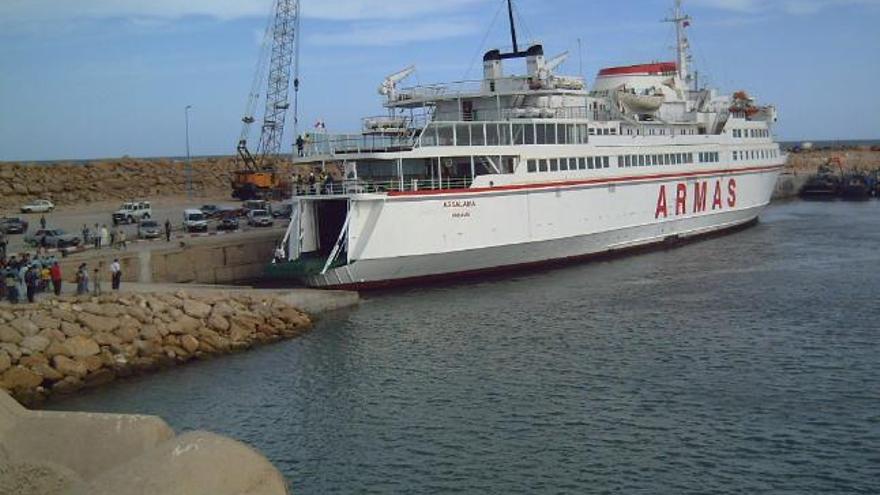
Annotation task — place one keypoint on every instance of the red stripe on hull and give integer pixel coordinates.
(584, 182)
(525, 267)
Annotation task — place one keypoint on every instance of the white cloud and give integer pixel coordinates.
(797, 7)
(385, 34)
(37, 10)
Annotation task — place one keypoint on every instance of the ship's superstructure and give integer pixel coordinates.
(517, 170)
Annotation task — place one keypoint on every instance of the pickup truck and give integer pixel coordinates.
(133, 212)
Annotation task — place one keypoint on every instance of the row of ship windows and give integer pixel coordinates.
(754, 154)
(625, 161)
(659, 132)
(754, 133)
(649, 160)
(563, 164)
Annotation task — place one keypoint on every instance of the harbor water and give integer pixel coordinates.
(748, 363)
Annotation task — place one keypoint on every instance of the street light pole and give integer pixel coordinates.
(189, 171)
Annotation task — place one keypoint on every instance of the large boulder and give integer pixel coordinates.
(127, 334)
(196, 309)
(34, 343)
(24, 326)
(9, 335)
(97, 323)
(45, 322)
(81, 346)
(70, 367)
(72, 329)
(56, 348)
(218, 322)
(184, 324)
(189, 343)
(19, 378)
(13, 350)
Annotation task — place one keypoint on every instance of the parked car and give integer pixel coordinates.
(12, 225)
(210, 211)
(55, 238)
(257, 204)
(149, 229)
(38, 206)
(194, 221)
(228, 223)
(260, 218)
(286, 211)
(133, 211)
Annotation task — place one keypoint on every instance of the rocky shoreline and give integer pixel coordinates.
(59, 346)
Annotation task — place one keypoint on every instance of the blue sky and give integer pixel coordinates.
(106, 78)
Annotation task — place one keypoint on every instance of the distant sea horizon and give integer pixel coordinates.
(787, 145)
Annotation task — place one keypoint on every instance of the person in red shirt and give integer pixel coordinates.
(55, 273)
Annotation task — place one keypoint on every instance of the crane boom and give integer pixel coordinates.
(258, 177)
(284, 37)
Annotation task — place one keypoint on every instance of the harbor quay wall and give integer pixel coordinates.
(226, 259)
(61, 345)
(44, 452)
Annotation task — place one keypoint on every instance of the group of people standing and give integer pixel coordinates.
(26, 277)
(102, 237)
(322, 183)
(84, 282)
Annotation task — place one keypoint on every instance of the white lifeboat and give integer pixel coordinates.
(640, 103)
(390, 125)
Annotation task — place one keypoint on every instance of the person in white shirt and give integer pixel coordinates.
(105, 237)
(116, 274)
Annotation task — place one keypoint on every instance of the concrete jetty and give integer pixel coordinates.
(64, 453)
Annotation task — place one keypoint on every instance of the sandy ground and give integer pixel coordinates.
(71, 219)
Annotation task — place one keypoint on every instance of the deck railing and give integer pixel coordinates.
(348, 187)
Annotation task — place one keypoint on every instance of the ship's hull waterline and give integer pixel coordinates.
(416, 239)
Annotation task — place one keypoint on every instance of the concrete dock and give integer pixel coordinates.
(49, 453)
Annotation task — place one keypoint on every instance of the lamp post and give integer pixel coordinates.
(189, 171)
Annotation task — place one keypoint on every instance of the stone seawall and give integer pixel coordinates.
(61, 345)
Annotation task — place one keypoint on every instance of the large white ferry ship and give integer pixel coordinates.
(522, 170)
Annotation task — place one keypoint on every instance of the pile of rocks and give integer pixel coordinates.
(123, 179)
(852, 159)
(74, 183)
(60, 346)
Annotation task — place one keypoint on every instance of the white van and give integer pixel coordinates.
(194, 221)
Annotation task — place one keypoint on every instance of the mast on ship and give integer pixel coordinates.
(516, 53)
(682, 21)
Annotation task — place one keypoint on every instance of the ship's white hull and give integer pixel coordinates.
(415, 238)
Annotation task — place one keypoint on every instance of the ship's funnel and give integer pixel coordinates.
(535, 61)
(492, 65)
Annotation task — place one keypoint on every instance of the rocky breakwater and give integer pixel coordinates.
(67, 183)
(126, 178)
(62, 345)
